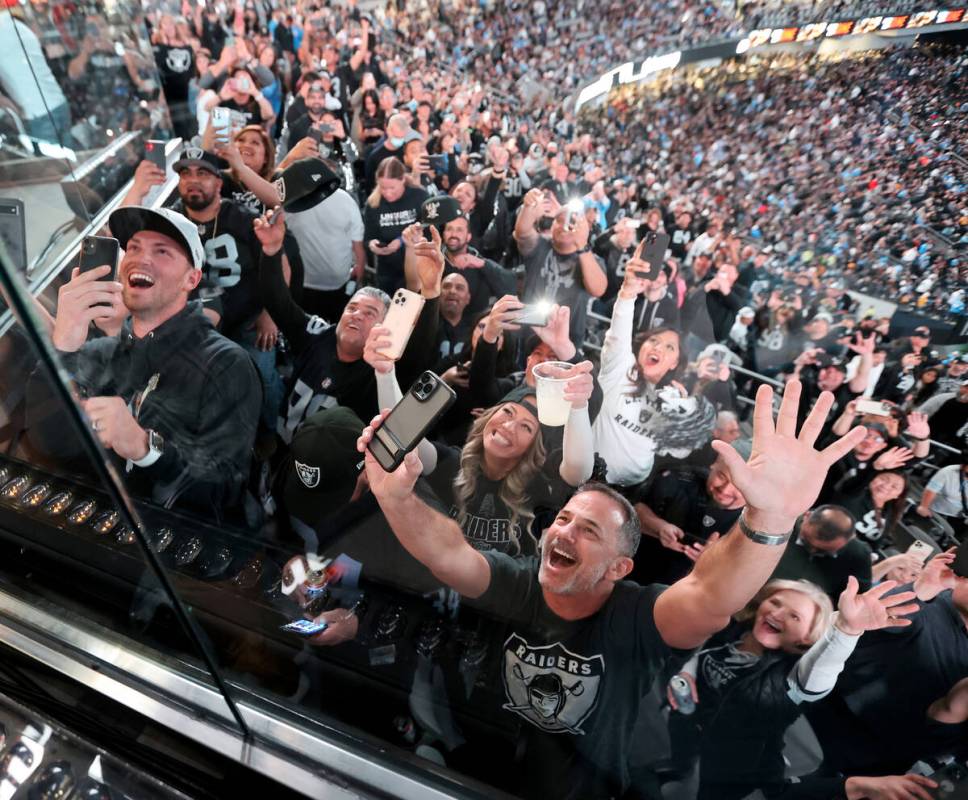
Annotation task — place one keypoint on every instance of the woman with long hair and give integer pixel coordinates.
(369, 123)
(877, 504)
(494, 484)
(645, 412)
(747, 685)
(391, 207)
(252, 162)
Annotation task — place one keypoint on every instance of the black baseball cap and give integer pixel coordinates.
(439, 210)
(922, 330)
(194, 156)
(305, 183)
(322, 468)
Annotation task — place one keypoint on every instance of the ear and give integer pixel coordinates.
(619, 568)
(192, 279)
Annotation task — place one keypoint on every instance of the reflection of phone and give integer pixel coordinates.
(960, 565)
(873, 407)
(950, 779)
(536, 315)
(404, 310)
(13, 231)
(410, 419)
(155, 153)
(921, 549)
(304, 627)
(96, 251)
(653, 253)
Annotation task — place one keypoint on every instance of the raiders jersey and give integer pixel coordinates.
(230, 278)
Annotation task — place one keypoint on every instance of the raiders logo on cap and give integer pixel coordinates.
(280, 185)
(308, 475)
(193, 154)
(431, 210)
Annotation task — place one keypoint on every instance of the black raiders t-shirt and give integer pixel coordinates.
(487, 524)
(176, 63)
(575, 686)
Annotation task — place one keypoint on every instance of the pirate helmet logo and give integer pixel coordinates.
(193, 153)
(280, 185)
(431, 210)
(551, 687)
(308, 475)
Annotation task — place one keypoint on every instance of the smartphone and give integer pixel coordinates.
(13, 231)
(439, 163)
(410, 419)
(960, 565)
(404, 311)
(96, 251)
(921, 549)
(872, 407)
(316, 135)
(221, 122)
(304, 627)
(575, 209)
(242, 84)
(536, 314)
(653, 253)
(155, 153)
(326, 128)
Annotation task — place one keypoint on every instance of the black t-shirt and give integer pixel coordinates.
(487, 523)
(679, 497)
(829, 571)
(251, 109)
(240, 195)
(575, 685)
(176, 63)
(386, 222)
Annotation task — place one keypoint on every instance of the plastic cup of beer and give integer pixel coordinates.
(550, 378)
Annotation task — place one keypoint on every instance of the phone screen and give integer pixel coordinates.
(305, 627)
(13, 232)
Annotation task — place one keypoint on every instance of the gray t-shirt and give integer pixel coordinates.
(549, 276)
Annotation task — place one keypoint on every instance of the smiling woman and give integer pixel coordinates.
(645, 411)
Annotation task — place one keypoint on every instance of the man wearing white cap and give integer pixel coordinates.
(176, 401)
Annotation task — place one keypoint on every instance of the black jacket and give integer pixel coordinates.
(205, 404)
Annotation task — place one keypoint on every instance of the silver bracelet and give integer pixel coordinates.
(759, 537)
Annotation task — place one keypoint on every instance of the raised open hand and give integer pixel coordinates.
(556, 333)
(917, 425)
(784, 473)
(871, 610)
(429, 261)
(893, 458)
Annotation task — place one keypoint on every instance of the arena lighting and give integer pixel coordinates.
(627, 73)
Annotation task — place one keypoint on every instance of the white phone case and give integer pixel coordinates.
(405, 308)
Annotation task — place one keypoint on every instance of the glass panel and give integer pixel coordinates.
(79, 97)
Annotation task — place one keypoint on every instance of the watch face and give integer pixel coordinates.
(82, 512)
(105, 522)
(36, 495)
(57, 504)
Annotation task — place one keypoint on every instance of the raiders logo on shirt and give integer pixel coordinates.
(551, 687)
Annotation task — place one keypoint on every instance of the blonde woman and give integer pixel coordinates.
(786, 648)
(493, 484)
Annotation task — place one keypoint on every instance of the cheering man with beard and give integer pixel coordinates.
(585, 645)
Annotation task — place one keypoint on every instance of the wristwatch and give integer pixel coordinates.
(760, 537)
(156, 448)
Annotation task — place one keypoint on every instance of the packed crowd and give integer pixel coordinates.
(365, 201)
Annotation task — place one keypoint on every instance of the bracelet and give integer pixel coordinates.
(760, 537)
(585, 249)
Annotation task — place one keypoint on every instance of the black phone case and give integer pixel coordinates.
(97, 251)
(13, 231)
(960, 565)
(654, 253)
(155, 153)
(390, 444)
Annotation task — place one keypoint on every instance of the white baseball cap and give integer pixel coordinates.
(126, 222)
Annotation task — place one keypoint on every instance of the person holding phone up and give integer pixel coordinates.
(646, 411)
(494, 482)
